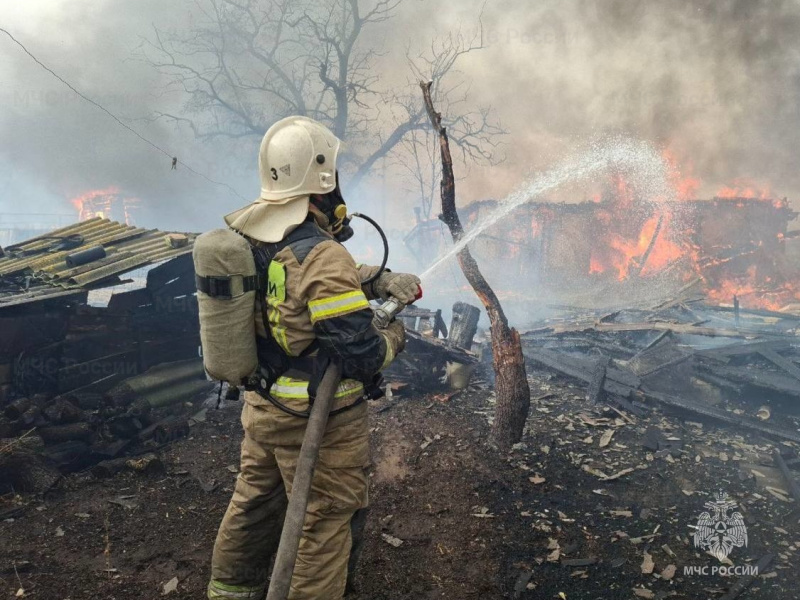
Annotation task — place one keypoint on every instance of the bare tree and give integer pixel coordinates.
(418, 159)
(247, 63)
(474, 133)
(511, 382)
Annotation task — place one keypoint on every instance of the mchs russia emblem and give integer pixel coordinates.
(718, 531)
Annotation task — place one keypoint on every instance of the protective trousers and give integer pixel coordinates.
(250, 531)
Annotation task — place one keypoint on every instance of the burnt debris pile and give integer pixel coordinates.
(730, 365)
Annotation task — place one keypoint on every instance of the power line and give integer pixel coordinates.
(113, 116)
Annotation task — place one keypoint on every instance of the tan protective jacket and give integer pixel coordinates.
(315, 292)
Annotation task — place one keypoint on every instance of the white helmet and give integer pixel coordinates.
(297, 157)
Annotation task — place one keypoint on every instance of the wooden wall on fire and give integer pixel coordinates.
(740, 234)
(558, 244)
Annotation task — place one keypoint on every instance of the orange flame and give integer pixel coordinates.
(628, 244)
(99, 203)
(94, 203)
(685, 185)
(745, 188)
(595, 266)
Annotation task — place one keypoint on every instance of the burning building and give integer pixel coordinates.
(108, 203)
(734, 244)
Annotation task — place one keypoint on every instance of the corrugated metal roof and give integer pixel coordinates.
(36, 269)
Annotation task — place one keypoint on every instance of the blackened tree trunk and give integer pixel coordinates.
(511, 382)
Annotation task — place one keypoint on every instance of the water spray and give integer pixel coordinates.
(637, 159)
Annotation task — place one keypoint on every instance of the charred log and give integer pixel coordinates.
(464, 325)
(66, 433)
(22, 466)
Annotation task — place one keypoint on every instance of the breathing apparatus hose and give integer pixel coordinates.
(380, 270)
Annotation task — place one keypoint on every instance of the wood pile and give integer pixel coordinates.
(82, 384)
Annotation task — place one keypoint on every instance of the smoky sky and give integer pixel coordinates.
(714, 82)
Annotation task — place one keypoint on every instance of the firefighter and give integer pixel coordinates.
(315, 303)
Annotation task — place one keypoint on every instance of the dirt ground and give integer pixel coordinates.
(548, 520)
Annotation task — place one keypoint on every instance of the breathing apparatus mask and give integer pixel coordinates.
(333, 206)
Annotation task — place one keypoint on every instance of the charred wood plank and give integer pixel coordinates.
(609, 318)
(745, 581)
(781, 362)
(680, 296)
(674, 327)
(655, 359)
(598, 379)
(65, 433)
(440, 328)
(640, 264)
(657, 339)
(720, 415)
(745, 349)
(617, 381)
(681, 328)
(463, 325)
(588, 343)
(720, 382)
(787, 474)
(754, 311)
(634, 409)
(758, 378)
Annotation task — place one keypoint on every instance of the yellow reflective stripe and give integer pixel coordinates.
(389, 353)
(283, 380)
(279, 333)
(286, 387)
(336, 306)
(276, 278)
(217, 589)
(276, 294)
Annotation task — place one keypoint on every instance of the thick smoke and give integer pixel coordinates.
(716, 83)
(54, 145)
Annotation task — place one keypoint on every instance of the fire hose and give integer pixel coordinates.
(286, 556)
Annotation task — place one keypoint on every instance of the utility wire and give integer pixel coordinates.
(113, 116)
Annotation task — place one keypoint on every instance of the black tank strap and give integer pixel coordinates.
(305, 232)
